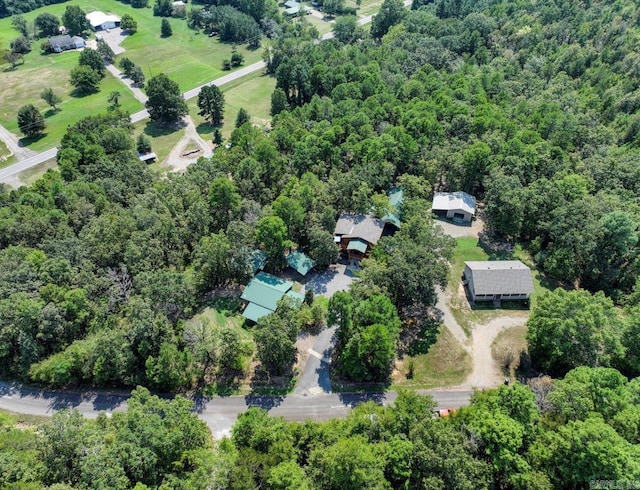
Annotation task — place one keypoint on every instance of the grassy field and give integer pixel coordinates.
(163, 139)
(6, 158)
(252, 92)
(446, 364)
(26, 83)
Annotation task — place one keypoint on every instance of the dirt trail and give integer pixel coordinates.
(486, 372)
(176, 160)
(450, 322)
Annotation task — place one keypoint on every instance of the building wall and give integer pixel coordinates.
(466, 216)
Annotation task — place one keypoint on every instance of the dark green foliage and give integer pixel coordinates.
(47, 24)
(85, 79)
(92, 58)
(143, 144)
(231, 24)
(105, 51)
(211, 104)
(30, 120)
(165, 28)
(20, 45)
(75, 21)
(165, 103)
(19, 23)
(243, 117)
(129, 24)
(163, 8)
(391, 13)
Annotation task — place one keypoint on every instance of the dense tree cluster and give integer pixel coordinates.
(14, 7)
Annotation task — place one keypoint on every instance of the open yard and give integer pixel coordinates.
(253, 93)
(468, 248)
(26, 83)
(6, 158)
(446, 364)
(162, 138)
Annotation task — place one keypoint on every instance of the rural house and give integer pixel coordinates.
(357, 233)
(495, 280)
(101, 22)
(263, 293)
(458, 206)
(65, 43)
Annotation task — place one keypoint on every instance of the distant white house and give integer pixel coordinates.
(100, 21)
(458, 206)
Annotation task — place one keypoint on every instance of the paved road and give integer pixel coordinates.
(218, 413)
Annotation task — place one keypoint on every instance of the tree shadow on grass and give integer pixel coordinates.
(28, 140)
(154, 129)
(80, 94)
(206, 129)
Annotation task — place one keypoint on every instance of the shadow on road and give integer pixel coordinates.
(264, 401)
(355, 399)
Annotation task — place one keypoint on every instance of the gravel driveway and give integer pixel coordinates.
(113, 39)
(335, 278)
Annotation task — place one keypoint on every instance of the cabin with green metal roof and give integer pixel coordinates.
(300, 262)
(263, 293)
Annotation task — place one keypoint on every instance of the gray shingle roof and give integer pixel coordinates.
(500, 277)
(363, 226)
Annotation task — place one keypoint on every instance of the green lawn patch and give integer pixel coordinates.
(25, 84)
(252, 92)
(163, 138)
(446, 364)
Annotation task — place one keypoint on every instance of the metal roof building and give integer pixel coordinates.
(263, 293)
(458, 206)
(300, 262)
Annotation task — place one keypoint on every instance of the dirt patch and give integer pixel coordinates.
(189, 149)
(508, 349)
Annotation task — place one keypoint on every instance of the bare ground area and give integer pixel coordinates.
(188, 150)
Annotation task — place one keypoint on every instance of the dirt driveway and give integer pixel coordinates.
(457, 231)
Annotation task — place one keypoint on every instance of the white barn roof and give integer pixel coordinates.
(449, 201)
(97, 18)
(500, 277)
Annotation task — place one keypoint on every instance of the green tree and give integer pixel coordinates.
(369, 354)
(114, 100)
(224, 200)
(165, 103)
(211, 104)
(278, 101)
(237, 59)
(20, 45)
(126, 65)
(74, 19)
(105, 51)
(137, 76)
(129, 24)
(275, 345)
(322, 247)
(574, 328)
(333, 7)
(47, 24)
(19, 23)
(167, 371)
(242, 117)
(272, 235)
(84, 79)
(391, 13)
(349, 464)
(91, 58)
(143, 144)
(51, 98)
(288, 476)
(30, 121)
(344, 28)
(165, 28)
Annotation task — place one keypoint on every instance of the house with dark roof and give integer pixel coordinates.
(495, 280)
(263, 293)
(457, 206)
(65, 43)
(357, 233)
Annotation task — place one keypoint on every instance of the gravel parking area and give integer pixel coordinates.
(113, 39)
(335, 278)
(456, 231)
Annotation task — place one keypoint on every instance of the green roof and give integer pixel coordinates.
(293, 294)
(259, 259)
(396, 197)
(263, 293)
(254, 312)
(300, 262)
(357, 244)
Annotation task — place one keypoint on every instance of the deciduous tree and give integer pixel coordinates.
(30, 120)
(165, 103)
(74, 20)
(211, 104)
(51, 98)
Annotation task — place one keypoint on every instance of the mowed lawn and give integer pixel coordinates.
(24, 86)
(253, 93)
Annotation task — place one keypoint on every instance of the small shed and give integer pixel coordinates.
(495, 280)
(300, 262)
(147, 157)
(263, 293)
(458, 206)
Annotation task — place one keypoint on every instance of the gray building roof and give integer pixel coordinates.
(500, 277)
(364, 226)
(62, 41)
(450, 201)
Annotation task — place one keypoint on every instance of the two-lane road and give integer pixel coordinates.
(219, 413)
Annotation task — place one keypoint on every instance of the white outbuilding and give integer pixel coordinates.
(101, 22)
